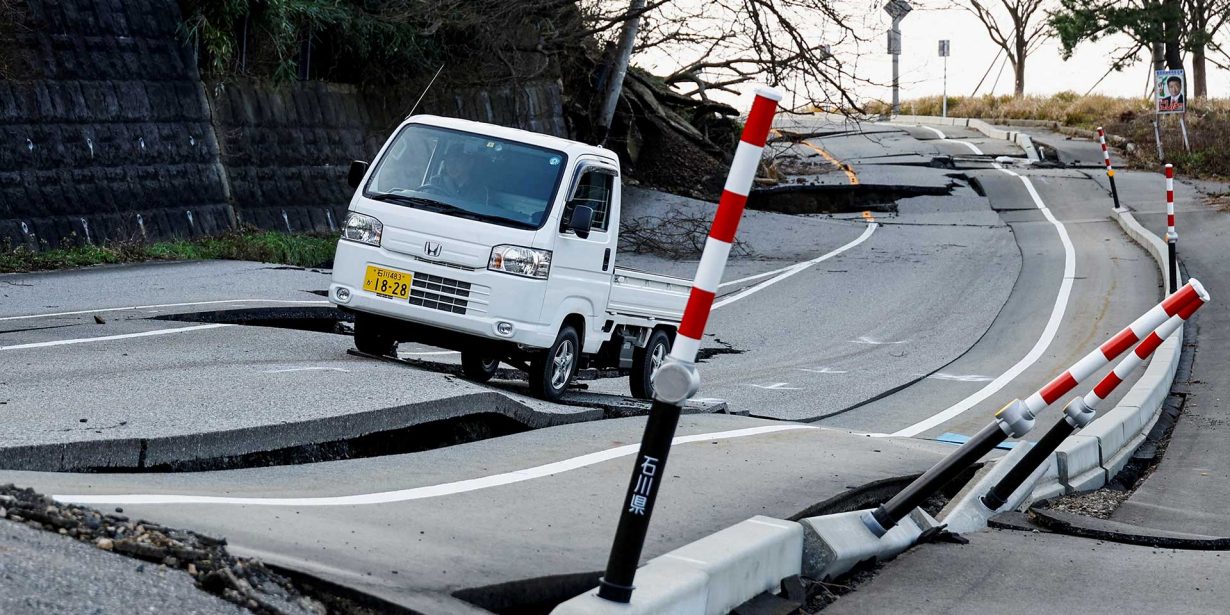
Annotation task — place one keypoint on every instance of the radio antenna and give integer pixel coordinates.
(429, 84)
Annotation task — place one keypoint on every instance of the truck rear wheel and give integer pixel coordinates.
(552, 369)
(477, 366)
(373, 335)
(645, 361)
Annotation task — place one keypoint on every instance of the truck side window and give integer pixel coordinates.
(594, 190)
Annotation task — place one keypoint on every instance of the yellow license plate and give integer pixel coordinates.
(387, 283)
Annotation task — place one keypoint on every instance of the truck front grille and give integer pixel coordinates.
(439, 293)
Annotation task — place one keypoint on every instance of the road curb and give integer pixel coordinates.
(712, 575)
(1023, 140)
(1089, 459)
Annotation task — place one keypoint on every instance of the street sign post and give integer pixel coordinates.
(944, 54)
(897, 9)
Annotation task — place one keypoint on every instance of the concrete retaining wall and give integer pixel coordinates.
(107, 132)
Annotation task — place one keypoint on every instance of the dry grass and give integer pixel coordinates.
(1208, 124)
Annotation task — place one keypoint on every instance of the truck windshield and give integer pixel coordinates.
(468, 176)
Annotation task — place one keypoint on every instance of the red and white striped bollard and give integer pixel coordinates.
(1081, 410)
(1017, 417)
(1172, 238)
(1110, 170)
(677, 379)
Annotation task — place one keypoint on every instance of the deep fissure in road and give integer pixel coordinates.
(413, 439)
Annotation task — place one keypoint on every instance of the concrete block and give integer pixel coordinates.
(1046, 489)
(833, 544)
(662, 586)
(743, 560)
(1076, 456)
(1087, 481)
(966, 512)
(1112, 429)
(1114, 464)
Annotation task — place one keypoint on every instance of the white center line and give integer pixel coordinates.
(1048, 332)
(429, 491)
(166, 305)
(793, 269)
(107, 338)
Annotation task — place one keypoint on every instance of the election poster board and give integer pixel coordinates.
(1171, 88)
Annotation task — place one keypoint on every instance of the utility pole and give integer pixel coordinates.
(897, 9)
(615, 79)
(944, 54)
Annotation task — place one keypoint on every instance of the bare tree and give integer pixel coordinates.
(721, 44)
(1204, 19)
(1019, 33)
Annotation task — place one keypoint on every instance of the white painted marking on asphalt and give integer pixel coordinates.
(960, 378)
(107, 338)
(429, 491)
(868, 340)
(822, 370)
(305, 369)
(777, 386)
(165, 305)
(793, 269)
(939, 134)
(1044, 341)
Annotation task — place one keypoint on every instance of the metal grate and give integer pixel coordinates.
(439, 293)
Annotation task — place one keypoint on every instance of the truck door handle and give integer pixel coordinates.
(606, 259)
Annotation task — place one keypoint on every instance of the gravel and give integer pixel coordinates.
(43, 572)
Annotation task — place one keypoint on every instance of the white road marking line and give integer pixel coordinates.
(305, 369)
(868, 340)
(822, 370)
(777, 386)
(960, 378)
(429, 491)
(107, 338)
(1044, 341)
(939, 134)
(793, 269)
(166, 305)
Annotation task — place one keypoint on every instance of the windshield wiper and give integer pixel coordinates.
(442, 207)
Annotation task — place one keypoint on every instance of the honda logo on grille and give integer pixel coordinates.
(431, 248)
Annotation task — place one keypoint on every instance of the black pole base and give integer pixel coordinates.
(942, 473)
(1030, 461)
(615, 593)
(1114, 192)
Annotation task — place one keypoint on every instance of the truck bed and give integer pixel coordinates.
(649, 296)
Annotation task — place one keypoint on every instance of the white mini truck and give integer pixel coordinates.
(501, 244)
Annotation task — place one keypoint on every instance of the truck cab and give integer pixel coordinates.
(499, 243)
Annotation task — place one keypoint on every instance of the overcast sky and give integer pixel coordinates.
(971, 55)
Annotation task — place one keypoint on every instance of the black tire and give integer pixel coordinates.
(477, 366)
(645, 361)
(373, 335)
(546, 380)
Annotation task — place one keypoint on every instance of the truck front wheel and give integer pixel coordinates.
(645, 361)
(552, 369)
(373, 335)
(478, 366)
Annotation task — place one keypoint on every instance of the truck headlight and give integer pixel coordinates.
(361, 228)
(519, 260)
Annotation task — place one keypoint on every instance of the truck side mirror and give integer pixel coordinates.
(581, 221)
(358, 168)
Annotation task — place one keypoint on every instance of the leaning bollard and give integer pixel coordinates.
(1110, 170)
(1017, 418)
(1172, 238)
(677, 379)
(1080, 411)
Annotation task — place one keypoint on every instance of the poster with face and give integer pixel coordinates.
(1171, 85)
